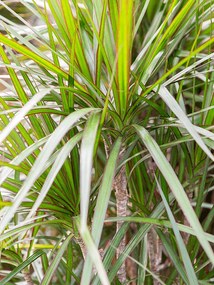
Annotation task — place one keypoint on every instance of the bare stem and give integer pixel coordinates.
(121, 200)
(82, 247)
(155, 253)
(27, 277)
(84, 251)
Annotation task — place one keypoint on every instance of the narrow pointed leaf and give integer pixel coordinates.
(62, 156)
(51, 269)
(183, 251)
(86, 162)
(23, 111)
(95, 257)
(124, 44)
(176, 187)
(22, 266)
(49, 147)
(176, 109)
(101, 206)
(30, 54)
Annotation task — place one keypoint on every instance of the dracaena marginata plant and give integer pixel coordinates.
(106, 136)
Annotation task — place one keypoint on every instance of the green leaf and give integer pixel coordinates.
(30, 54)
(176, 187)
(22, 266)
(183, 251)
(62, 156)
(101, 206)
(86, 162)
(53, 266)
(176, 109)
(124, 45)
(94, 255)
(159, 222)
(49, 147)
(23, 111)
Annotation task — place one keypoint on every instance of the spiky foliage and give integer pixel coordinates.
(98, 96)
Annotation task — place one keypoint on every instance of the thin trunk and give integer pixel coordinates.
(82, 246)
(27, 277)
(84, 251)
(121, 200)
(155, 253)
(120, 186)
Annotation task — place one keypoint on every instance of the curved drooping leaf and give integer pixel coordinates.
(22, 266)
(61, 157)
(176, 109)
(176, 187)
(192, 278)
(48, 149)
(53, 266)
